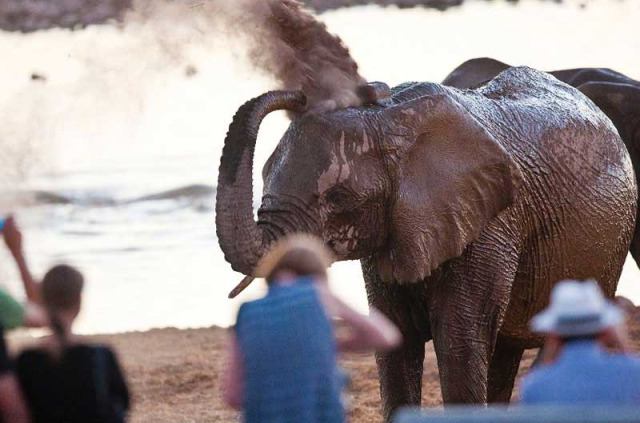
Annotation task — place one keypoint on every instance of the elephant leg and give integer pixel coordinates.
(503, 369)
(399, 371)
(400, 374)
(469, 304)
(463, 363)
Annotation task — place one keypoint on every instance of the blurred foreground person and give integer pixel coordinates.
(283, 352)
(12, 313)
(63, 380)
(12, 407)
(585, 357)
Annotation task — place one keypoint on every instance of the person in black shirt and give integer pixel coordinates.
(64, 380)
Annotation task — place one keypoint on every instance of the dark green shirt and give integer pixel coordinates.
(11, 311)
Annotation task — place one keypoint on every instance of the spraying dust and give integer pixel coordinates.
(43, 107)
(286, 41)
(279, 37)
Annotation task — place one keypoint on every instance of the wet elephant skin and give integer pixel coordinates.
(617, 95)
(464, 207)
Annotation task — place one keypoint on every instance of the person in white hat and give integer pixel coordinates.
(581, 328)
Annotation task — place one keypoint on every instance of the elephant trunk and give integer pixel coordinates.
(240, 238)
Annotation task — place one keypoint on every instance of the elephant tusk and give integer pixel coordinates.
(241, 286)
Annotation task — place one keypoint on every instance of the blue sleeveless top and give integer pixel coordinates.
(289, 358)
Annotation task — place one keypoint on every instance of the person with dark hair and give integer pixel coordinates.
(282, 365)
(65, 380)
(585, 358)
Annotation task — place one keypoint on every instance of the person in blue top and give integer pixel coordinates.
(585, 356)
(282, 365)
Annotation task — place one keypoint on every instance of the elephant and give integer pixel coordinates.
(617, 95)
(463, 206)
(479, 71)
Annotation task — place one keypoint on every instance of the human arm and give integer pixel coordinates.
(364, 332)
(550, 350)
(234, 376)
(616, 339)
(13, 239)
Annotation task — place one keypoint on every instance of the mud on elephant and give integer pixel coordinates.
(464, 207)
(617, 95)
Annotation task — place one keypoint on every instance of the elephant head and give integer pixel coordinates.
(409, 179)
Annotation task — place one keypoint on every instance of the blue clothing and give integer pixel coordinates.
(289, 358)
(585, 374)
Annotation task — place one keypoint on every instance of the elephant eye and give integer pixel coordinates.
(338, 198)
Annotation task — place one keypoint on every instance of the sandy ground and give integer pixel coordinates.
(175, 375)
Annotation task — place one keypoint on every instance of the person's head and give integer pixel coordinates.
(296, 256)
(578, 311)
(61, 291)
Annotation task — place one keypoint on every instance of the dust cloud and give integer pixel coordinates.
(279, 38)
(94, 84)
(286, 41)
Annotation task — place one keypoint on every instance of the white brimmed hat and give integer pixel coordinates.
(577, 309)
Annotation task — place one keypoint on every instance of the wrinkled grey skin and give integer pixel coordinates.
(617, 95)
(464, 207)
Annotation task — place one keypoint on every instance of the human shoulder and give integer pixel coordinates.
(245, 311)
(102, 348)
(32, 353)
(248, 306)
(99, 350)
(30, 359)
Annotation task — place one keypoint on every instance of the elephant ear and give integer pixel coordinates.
(453, 179)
